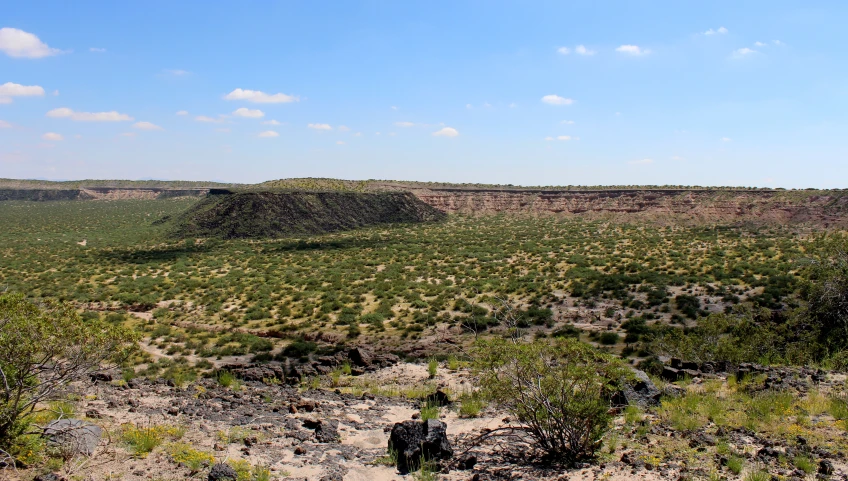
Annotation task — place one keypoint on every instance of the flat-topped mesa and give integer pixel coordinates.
(258, 214)
(821, 208)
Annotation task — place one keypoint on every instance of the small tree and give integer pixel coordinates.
(42, 349)
(558, 390)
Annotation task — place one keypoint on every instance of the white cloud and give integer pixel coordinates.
(268, 134)
(726, 139)
(176, 72)
(582, 50)
(182, 112)
(271, 122)
(130, 135)
(759, 44)
(251, 114)
(56, 93)
(258, 97)
(513, 105)
(19, 44)
(446, 132)
(320, 126)
(549, 138)
(146, 126)
(343, 128)
(358, 134)
(52, 136)
(563, 137)
(634, 50)
(111, 116)
(778, 43)
(564, 50)
(340, 142)
(556, 100)
(9, 90)
(721, 31)
(567, 122)
(404, 124)
(394, 107)
(97, 50)
(641, 162)
(677, 157)
(743, 52)
(5, 125)
(469, 106)
(209, 120)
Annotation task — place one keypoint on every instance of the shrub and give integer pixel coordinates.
(558, 390)
(609, 338)
(43, 348)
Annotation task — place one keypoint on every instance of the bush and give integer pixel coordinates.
(43, 348)
(557, 389)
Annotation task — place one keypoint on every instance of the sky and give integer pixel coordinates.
(742, 93)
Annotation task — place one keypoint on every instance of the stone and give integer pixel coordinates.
(671, 374)
(438, 398)
(222, 472)
(468, 462)
(360, 357)
(73, 436)
(48, 477)
(327, 431)
(825, 467)
(640, 391)
(414, 440)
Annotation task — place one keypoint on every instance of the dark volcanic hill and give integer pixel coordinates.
(261, 214)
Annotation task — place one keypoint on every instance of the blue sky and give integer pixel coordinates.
(751, 93)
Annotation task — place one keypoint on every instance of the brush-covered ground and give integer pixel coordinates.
(404, 287)
(422, 292)
(335, 427)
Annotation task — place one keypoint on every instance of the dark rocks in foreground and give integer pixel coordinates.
(414, 441)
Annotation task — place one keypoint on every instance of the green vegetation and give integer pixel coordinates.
(275, 214)
(556, 389)
(43, 347)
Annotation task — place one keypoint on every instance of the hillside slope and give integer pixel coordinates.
(229, 215)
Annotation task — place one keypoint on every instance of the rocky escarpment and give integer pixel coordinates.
(97, 193)
(252, 214)
(823, 208)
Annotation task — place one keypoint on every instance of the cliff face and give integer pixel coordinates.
(825, 208)
(97, 193)
(275, 214)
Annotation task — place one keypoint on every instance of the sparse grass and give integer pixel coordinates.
(141, 440)
(429, 411)
(186, 455)
(235, 434)
(470, 405)
(426, 471)
(633, 415)
(805, 464)
(735, 464)
(757, 475)
(432, 368)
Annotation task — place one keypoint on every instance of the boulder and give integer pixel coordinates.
(671, 374)
(360, 357)
(73, 436)
(414, 440)
(640, 391)
(222, 472)
(255, 372)
(438, 398)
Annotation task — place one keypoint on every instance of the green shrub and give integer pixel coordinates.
(42, 348)
(432, 368)
(556, 389)
(609, 338)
